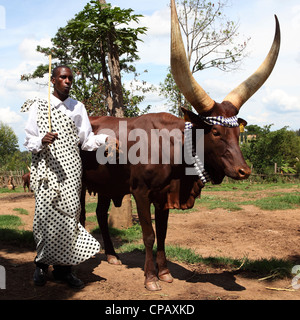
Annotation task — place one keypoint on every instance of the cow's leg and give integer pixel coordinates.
(102, 216)
(161, 225)
(143, 208)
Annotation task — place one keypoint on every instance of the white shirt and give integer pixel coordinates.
(74, 110)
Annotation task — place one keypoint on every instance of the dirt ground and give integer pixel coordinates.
(250, 233)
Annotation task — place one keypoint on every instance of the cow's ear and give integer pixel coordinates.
(242, 121)
(190, 116)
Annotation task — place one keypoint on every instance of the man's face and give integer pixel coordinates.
(62, 82)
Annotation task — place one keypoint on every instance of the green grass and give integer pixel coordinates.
(226, 205)
(247, 186)
(21, 211)
(214, 202)
(273, 268)
(17, 237)
(279, 202)
(17, 190)
(132, 237)
(8, 222)
(131, 234)
(10, 233)
(90, 207)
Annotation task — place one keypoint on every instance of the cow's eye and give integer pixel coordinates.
(215, 132)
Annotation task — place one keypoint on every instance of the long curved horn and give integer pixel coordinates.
(182, 74)
(245, 90)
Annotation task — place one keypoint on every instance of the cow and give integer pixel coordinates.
(26, 181)
(167, 185)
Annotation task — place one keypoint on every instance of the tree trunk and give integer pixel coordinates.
(115, 74)
(109, 100)
(118, 217)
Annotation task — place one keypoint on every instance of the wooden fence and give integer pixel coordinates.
(16, 176)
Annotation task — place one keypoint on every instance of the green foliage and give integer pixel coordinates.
(8, 143)
(269, 147)
(11, 158)
(171, 92)
(83, 45)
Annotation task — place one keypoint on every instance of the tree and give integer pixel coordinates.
(209, 37)
(170, 90)
(280, 146)
(98, 44)
(253, 129)
(8, 143)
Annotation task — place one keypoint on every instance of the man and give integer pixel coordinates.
(56, 179)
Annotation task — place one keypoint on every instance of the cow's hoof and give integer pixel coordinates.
(152, 286)
(167, 277)
(113, 260)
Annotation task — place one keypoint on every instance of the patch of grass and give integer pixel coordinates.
(131, 234)
(17, 190)
(182, 254)
(10, 233)
(132, 247)
(250, 186)
(92, 219)
(8, 222)
(214, 202)
(17, 237)
(229, 206)
(272, 268)
(21, 211)
(90, 207)
(279, 202)
(187, 211)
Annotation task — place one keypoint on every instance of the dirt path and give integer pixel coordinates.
(250, 233)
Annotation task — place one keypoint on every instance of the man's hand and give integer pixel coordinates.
(49, 138)
(112, 147)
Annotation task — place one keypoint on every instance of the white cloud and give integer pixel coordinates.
(11, 84)
(158, 23)
(27, 49)
(8, 116)
(259, 118)
(160, 108)
(156, 46)
(280, 102)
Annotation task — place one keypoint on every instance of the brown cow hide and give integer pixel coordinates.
(183, 192)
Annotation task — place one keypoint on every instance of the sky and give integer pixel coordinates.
(24, 24)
